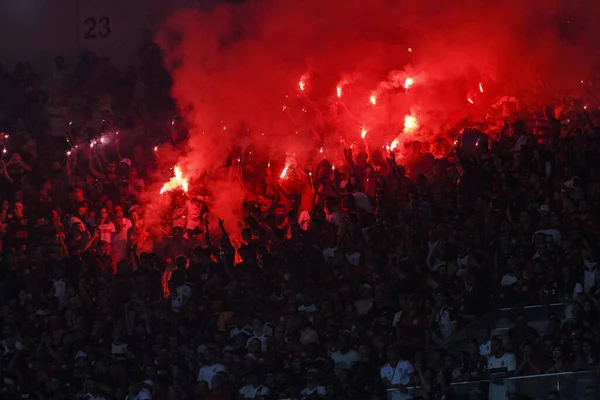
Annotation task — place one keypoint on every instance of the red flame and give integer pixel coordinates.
(284, 172)
(176, 182)
(410, 123)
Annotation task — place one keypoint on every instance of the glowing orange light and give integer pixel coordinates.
(178, 181)
(469, 100)
(408, 82)
(410, 123)
(373, 99)
(284, 172)
(480, 87)
(363, 133)
(394, 143)
(339, 91)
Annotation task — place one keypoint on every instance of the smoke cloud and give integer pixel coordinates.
(237, 68)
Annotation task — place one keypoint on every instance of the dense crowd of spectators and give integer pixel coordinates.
(344, 284)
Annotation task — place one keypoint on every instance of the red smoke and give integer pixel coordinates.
(236, 68)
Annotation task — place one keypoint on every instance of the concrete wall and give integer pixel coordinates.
(39, 30)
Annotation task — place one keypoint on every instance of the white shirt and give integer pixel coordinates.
(506, 360)
(353, 258)
(119, 242)
(143, 394)
(208, 372)
(344, 361)
(508, 280)
(320, 390)
(329, 253)
(106, 230)
(400, 375)
(263, 341)
(247, 330)
(193, 215)
(486, 349)
(89, 396)
(118, 349)
(250, 392)
(444, 322)
(363, 202)
(334, 218)
(589, 275)
(307, 309)
(183, 292)
(551, 233)
(396, 318)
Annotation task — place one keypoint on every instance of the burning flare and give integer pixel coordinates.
(339, 91)
(469, 100)
(284, 172)
(363, 133)
(373, 99)
(301, 83)
(408, 83)
(480, 87)
(410, 123)
(394, 143)
(178, 181)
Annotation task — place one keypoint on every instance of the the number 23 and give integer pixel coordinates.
(97, 27)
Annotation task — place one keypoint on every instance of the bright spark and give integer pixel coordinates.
(339, 91)
(363, 133)
(480, 87)
(469, 100)
(373, 99)
(408, 83)
(394, 143)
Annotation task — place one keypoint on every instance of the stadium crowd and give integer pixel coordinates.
(340, 294)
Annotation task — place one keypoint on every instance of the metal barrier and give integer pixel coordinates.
(501, 320)
(570, 385)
